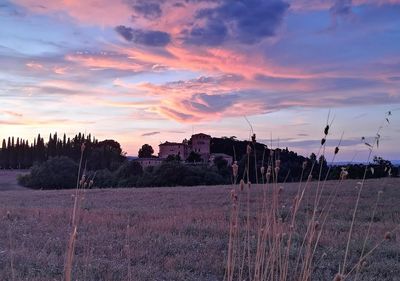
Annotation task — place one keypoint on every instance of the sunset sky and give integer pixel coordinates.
(146, 71)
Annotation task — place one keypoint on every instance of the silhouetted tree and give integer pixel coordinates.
(194, 157)
(146, 151)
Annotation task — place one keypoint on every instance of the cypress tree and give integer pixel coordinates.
(4, 155)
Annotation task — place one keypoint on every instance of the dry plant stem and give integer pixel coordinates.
(75, 215)
(255, 161)
(326, 213)
(308, 224)
(369, 253)
(77, 189)
(248, 217)
(367, 235)
(314, 233)
(291, 229)
(358, 200)
(70, 254)
(328, 172)
(354, 215)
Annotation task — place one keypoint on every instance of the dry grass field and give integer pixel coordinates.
(175, 233)
(8, 179)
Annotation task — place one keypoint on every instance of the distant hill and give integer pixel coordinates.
(343, 163)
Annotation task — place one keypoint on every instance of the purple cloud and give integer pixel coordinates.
(150, 134)
(152, 38)
(250, 20)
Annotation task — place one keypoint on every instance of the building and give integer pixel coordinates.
(226, 157)
(149, 162)
(173, 148)
(199, 143)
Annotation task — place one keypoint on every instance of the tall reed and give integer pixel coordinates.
(78, 198)
(264, 243)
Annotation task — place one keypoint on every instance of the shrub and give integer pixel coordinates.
(55, 173)
(103, 179)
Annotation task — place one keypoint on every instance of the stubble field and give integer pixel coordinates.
(175, 233)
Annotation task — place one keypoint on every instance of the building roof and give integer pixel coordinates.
(171, 143)
(201, 134)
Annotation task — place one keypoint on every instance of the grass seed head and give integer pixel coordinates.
(316, 225)
(326, 130)
(253, 138)
(235, 169)
(248, 149)
(234, 196)
(343, 174)
(241, 184)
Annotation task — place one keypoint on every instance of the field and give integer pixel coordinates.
(8, 179)
(174, 233)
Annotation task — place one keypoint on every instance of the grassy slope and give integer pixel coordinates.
(175, 233)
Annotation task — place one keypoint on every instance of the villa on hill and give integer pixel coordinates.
(198, 143)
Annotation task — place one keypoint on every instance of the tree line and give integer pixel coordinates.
(54, 164)
(18, 153)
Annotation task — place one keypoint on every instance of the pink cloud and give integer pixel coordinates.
(92, 12)
(326, 5)
(97, 62)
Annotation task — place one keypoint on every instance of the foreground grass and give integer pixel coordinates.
(174, 233)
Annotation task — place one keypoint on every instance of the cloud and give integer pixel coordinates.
(341, 8)
(206, 103)
(144, 37)
(150, 134)
(179, 5)
(176, 115)
(213, 33)
(150, 10)
(304, 5)
(249, 21)
(12, 113)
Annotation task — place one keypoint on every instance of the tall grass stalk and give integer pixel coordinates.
(361, 185)
(80, 183)
(264, 243)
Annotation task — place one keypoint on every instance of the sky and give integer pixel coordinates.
(147, 71)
